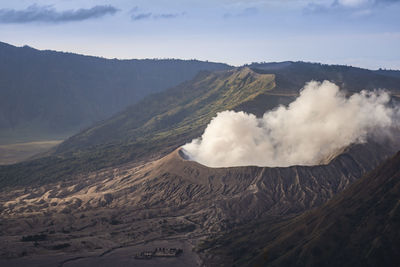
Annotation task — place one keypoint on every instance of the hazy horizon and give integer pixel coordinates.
(361, 33)
(206, 60)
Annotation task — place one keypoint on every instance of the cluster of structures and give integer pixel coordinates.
(159, 252)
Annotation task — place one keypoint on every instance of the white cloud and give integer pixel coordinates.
(319, 122)
(49, 14)
(353, 3)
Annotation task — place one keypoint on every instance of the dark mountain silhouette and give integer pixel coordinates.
(358, 227)
(48, 94)
(392, 73)
(291, 75)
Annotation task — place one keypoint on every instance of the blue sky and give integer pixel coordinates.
(363, 33)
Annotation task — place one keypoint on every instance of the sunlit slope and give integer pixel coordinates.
(182, 110)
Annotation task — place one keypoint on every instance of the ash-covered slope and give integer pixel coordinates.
(169, 198)
(358, 227)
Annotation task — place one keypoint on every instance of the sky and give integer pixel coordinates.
(363, 33)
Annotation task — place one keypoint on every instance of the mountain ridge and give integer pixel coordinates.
(50, 94)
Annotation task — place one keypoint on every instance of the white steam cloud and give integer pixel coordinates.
(321, 121)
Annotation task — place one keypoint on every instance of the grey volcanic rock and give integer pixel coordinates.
(358, 227)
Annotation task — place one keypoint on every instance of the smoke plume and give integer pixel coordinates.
(321, 121)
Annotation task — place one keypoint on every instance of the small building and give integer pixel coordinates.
(144, 255)
(159, 252)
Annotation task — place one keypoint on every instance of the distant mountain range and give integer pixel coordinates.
(48, 94)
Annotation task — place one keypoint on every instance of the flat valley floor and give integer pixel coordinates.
(123, 256)
(14, 153)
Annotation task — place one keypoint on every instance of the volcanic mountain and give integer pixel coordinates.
(164, 121)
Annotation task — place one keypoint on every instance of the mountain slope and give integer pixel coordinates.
(153, 127)
(359, 227)
(188, 107)
(49, 94)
